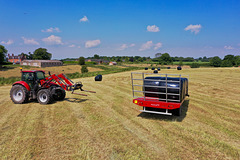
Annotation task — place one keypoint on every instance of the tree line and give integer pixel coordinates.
(38, 54)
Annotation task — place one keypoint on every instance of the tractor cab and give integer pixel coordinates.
(32, 77)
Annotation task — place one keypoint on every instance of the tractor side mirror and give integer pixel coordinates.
(49, 73)
(98, 77)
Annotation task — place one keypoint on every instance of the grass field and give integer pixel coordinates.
(107, 125)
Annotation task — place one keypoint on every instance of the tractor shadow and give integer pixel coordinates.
(166, 117)
(72, 100)
(75, 100)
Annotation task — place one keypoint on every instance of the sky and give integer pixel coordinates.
(70, 29)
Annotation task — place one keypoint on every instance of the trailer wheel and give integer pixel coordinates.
(19, 94)
(44, 96)
(59, 94)
(177, 112)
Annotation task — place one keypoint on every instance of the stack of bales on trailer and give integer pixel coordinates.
(169, 89)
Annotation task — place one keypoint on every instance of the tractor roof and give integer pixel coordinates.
(32, 71)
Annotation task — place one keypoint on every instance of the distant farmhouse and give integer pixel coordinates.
(41, 63)
(98, 61)
(112, 63)
(15, 59)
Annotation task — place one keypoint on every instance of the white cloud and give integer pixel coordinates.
(52, 40)
(193, 28)
(147, 45)
(8, 42)
(72, 46)
(125, 46)
(153, 28)
(84, 19)
(158, 45)
(52, 30)
(30, 41)
(93, 43)
(132, 45)
(228, 47)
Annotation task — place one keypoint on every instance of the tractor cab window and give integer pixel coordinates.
(40, 75)
(27, 76)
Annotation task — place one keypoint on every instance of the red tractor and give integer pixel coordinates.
(34, 85)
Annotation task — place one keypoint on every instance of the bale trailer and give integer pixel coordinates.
(159, 93)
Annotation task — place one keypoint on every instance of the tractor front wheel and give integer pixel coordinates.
(44, 96)
(19, 94)
(59, 94)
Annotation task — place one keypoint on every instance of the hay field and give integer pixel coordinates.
(157, 65)
(15, 72)
(107, 125)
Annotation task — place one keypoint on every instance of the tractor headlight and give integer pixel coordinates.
(136, 101)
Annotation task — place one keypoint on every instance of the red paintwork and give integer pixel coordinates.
(155, 103)
(23, 84)
(46, 83)
(35, 71)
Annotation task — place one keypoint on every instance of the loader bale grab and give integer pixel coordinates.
(34, 85)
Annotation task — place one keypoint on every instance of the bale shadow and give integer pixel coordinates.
(75, 100)
(166, 117)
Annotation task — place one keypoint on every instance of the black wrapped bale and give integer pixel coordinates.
(174, 87)
(159, 69)
(179, 68)
(153, 68)
(98, 78)
(146, 68)
(168, 67)
(155, 71)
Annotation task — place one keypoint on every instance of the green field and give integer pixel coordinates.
(107, 125)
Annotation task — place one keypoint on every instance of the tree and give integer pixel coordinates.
(84, 69)
(226, 63)
(215, 61)
(165, 59)
(3, 52)
(237, 60)
(230, 58)
(81, 61)
(157, 55)
(96, 56)
(42, 54)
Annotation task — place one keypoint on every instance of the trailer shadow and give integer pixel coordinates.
(166, 117)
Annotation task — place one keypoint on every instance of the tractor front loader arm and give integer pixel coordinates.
(66, 83)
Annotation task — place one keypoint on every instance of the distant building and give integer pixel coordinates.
(112, 63)
(41, 63)
(15, 59)
(98, 61)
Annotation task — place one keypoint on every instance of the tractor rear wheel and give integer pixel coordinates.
(19, 94)
(44, 96)
(59, 94)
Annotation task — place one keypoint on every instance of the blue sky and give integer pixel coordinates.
(121, 27)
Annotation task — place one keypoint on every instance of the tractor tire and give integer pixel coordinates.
(19, 94)
(59, 94)
(44, 96)
(177, 112)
